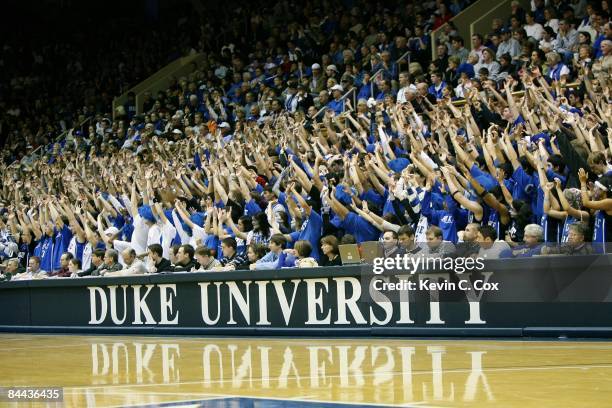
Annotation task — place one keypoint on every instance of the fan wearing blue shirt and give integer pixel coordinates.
(352, 223)
(312, 227)
(44, 249)
(438, 85)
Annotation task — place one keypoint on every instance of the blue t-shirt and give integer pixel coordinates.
(524, 187)
(311, 231)
(446, 219)
(362, 230)
(78, 251)
(60, 245)
(599, 232)
(552, 232)
(44, 250)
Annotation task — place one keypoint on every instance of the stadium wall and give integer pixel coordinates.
(547, 296)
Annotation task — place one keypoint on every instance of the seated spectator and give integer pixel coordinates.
(133, 265)
(74, 267)
(206, 259)
(299, 256)
(490, 248)
(533, 236)
(330, 253)
(33, 271)
(110, 264)
(64, 266)
(406, 238)
(12, 268)
(231, 259)
(276, 246)
(97, 260)
(436, 246)
(156, 261)
(185, 261)
(254, 253)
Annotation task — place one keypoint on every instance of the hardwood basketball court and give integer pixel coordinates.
(118, 371)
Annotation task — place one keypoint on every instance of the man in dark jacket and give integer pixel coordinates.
(185, 261)
(160, 264)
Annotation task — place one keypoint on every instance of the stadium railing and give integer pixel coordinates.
(481, 11)
(159, 81)
(39, 151)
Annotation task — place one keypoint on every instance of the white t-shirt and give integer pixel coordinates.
(87, 252)
(535, 30)
(140, 235)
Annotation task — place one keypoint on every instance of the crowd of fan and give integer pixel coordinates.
(256, 161)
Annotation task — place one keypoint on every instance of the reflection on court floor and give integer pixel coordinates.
(136, 371)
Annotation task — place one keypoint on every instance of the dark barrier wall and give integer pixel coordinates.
(538, 296)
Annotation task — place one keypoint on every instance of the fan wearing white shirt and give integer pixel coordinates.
(533, 29)
(162, 232)
(133, 265)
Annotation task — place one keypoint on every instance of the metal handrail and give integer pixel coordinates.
(409, 53)
(60, 137)
(372, 79)
(343, 97)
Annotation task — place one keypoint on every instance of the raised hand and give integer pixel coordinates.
(583, 176)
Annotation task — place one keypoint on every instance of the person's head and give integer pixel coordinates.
(405, 235)
(329, 246)
(111, 257)
(64, 259)
(576, 234)
(269, 195)
(486, 236)
(488, 55)
(255, 252)
(564, 26)
(553, 58)
(277, 243)
(390, 239)
(404, 79)
(476, 41)
(97, 257)
(597, 162)
(12, 265)
(442, 50)
(156, 253)
(303, 249)
(470, 234)
(453, 62)
(533, 234)
(74, 265)
(457, 42)
(245, 223)
(185, 254)
(203, 255)
(529, 17)
(128, 255)
(584, 37)
(34, 264)
(261, 224)
(324, 97)
(473, 58)
(228, 247)
(436, 77)
(434, 237)
(606, 46)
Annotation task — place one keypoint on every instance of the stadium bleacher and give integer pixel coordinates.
(306, 129)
